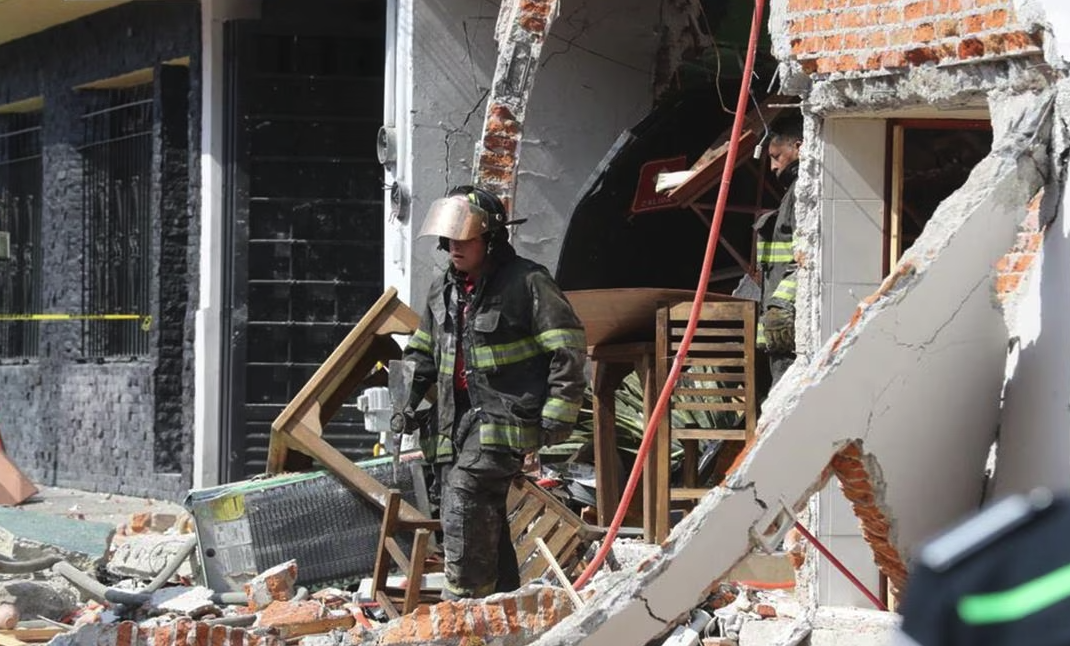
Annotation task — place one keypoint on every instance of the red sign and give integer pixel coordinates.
(648, 199)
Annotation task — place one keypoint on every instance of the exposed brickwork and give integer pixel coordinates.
(857, 474)
(859, 36)
(508, 620)
(1013, 267)
(181, 632)
(497, 152)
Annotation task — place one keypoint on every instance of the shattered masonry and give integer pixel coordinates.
(526, 24)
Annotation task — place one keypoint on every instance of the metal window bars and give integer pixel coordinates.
(117, 191)
(20, 219)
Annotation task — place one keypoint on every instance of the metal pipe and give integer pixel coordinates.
(840, 566)
(95, 589)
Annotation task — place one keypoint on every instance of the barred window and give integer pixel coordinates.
(117, 191)
(20, 228)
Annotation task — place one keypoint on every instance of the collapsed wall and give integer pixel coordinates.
(913, 378)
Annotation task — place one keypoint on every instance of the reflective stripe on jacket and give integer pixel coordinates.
(524, 350)
(776, 254)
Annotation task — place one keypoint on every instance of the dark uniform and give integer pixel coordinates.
(776, 257)
(999, 579)
(507, 353)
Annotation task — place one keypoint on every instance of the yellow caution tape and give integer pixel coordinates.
(146, 320)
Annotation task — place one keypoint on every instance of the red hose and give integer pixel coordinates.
(700, 293)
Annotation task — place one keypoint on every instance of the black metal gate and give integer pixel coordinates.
(305, 218)
(20, 219)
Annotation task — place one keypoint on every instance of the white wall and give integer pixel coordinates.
(593, 82)
(451, 64)
(208, 321)
(1034, 444)
(852, 219)
(1034, 440)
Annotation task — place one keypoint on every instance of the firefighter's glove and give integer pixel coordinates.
(553, 433)
(779, 327)
(404, 422)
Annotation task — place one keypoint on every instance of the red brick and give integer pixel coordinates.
(500, 144)
(973, 24)
(832, 43)
(900, 36)
(876, 40)
(855, 19)
(139, 522)
(1007, 283)
(994, 44)
(182, 628)
(126, 634)
(1004, 264)
(971, 48)
(218, 636)
(765, 611)
(890, 15)
(924, 32)
(995, 19)
(825, 22)
(947, 28)
(798, 5)
(1017, 40)
(917, 10)
(162, 635)
(893, 59)
(921, 55)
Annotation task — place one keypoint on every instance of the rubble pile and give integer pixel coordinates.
(145, 592)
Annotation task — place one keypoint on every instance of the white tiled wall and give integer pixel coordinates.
(852, 216)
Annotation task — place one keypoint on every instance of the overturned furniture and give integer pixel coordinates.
(640, 329)
(533, 512)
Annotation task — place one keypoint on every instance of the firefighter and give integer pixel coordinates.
(776, 254)
(507, 352)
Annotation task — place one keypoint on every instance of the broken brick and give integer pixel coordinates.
(508, 619)
(273, 584)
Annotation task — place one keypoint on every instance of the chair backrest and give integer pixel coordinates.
(716, 387)
(534, 512)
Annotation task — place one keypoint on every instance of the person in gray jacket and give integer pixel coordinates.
(776, 253)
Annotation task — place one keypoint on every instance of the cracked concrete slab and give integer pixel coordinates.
(915, 375)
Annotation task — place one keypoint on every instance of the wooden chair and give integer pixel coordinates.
(717, 378)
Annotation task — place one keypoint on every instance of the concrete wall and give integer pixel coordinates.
(594, 81)
(119, 426)
(1034, 440)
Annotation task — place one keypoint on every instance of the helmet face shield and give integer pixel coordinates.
(455, 218)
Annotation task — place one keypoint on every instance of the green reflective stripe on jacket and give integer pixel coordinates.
(770, 252)
(523, 438)
(1017, 603)
(493, 356)
(557, 339)
(561, 410)
(437, 448)
(420, 341)
(785, 290)
(446, 360)
(760, 337)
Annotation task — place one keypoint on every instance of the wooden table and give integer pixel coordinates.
(610, 364)
(621, 330)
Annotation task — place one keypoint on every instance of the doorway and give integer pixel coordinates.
(304, 241)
